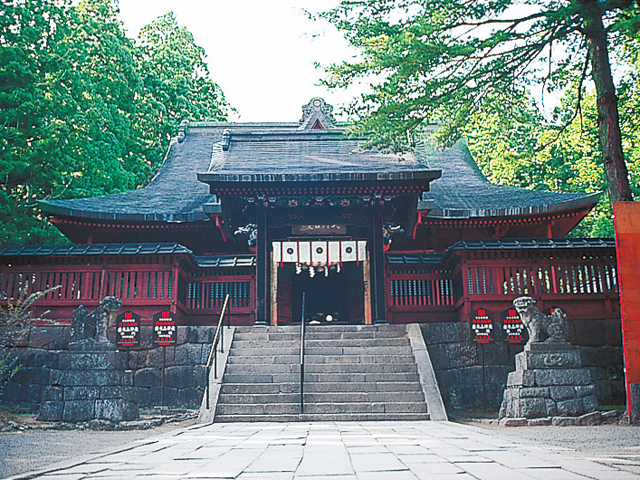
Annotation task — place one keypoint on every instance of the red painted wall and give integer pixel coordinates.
(627, 225)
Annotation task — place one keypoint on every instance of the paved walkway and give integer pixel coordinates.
(335, 451)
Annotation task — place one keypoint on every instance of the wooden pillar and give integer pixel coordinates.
(627, 226)
(262, 271)
(377, 268)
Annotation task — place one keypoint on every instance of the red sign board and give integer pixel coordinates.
(481, 326)
(512, 326)
(128, 329)
(165, 328)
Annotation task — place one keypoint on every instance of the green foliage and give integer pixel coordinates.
(447, 61)
(15, 321)
(84, 110)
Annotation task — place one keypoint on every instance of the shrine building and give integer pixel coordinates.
(268, 211)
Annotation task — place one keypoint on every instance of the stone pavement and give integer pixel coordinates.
(337, 451)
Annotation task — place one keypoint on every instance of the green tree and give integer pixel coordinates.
(177, 84)
(86, 111)
(441, 59)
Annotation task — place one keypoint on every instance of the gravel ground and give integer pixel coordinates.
(35, 449)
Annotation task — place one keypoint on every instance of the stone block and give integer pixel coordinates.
(179, 377)
(89, 378)
(147, 377)
(565, 421)
(111, 392)
(590, 403)
(530, 360)
(585, 390)
(81, 393)
(589, 419)
(541, 392)
(157, 358)
(562, 376)
(462, 355)
(78, 360)
(188, 354)
(552, 409)
(189, 397)
(137, 359)
(540, 422)
(570, 408)
(116, 410)
(513, 422)
(49, 337)
(548, 347)
(532, 407)
(521, 378)
(78, 411)
(50, 411)
(562, 393)
(52, 394)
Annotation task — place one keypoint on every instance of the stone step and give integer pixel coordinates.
(258, 409)
(258, 359)
(242, 358)
(257, 398)
(321, 398)
(370, 407)
(262, 378)
(361, 368)
(360, 377)
(318, 408)
(251, 369)
(267, 336)
(244, 388)
(333, 417)
(357, 350)
(318, 387)
(252, 351)
(313, 359)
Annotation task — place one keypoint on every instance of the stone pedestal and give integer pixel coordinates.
(549, 381)
(89, 385)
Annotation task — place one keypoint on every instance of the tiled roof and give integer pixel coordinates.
(463, 191)
(226, 261)
(285, 152)
(306, 155)
(533, 244)
(95, 249)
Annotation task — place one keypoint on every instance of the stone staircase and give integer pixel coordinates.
(352, 372)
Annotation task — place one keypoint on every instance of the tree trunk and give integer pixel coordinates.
(608, 121)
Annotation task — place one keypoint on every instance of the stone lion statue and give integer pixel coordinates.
(94, 325)
(541, 327)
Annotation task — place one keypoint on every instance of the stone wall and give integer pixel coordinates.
(457, 361)
(185, 372)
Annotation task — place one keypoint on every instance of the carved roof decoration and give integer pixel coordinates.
(317, 115)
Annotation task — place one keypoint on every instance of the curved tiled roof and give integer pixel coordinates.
(464, 192)
(260, 152)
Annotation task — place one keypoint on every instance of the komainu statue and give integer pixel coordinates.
(541, 327)
(93, 327)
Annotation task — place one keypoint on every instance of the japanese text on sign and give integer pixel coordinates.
(128, 330)
(164, 328)
(513, 326)
(481, 326)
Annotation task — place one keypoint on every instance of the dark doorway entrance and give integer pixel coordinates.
(334, 299)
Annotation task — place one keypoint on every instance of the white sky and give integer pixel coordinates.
(260, 52)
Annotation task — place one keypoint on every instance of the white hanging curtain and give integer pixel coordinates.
(320, 254)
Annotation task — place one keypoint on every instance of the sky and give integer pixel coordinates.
(262, 53)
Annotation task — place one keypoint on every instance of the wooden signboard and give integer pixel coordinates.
(512, 326)
(482, 326)
(165, 328)
(128, 329)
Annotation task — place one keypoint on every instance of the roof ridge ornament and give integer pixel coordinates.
(317, 115)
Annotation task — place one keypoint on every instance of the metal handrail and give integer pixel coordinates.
(213, 357)
(302, 331)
